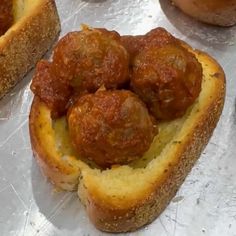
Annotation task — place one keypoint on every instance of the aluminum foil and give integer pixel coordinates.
(206, 202)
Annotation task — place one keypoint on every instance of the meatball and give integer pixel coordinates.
(52, 90)
(90, 59)
(6, 15)
(168, 79)
(157, 37)
(112, 34)
(110, 127)
(133, 44)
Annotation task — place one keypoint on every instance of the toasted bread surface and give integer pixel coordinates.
(127, 197)
(35, 28)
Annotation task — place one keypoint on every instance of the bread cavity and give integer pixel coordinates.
(127, 197)
(127, 179)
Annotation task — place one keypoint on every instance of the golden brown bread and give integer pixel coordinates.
(216, 12)
(36, 27)
(127, 197)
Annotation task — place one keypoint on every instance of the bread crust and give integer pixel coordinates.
(216, 12)
(26, 42)
(132, 211)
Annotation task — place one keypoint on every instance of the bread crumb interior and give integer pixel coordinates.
(22, 8)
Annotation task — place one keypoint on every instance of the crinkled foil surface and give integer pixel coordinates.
(206, 202)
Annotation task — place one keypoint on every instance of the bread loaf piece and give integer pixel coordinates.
(126, 197)
(35, 28)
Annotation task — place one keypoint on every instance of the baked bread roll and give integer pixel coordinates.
(127, 197)
(216, 12)
(35, 27)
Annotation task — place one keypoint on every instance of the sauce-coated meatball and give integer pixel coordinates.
(92, 58)
(52, 90)
(157, 37)
(6, 15)
(133, 44)
(110, 127)
(168, 79)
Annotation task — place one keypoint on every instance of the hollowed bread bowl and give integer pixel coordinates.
(216, 12)
(126, 197)
(36, 26)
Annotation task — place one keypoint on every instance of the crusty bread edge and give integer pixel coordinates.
(108, 218)
(26, 42)
(64, 176)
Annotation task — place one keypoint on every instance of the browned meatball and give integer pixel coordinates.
(52, 90)
(6, 15)
(91, 58)
(110, 127)
(133, 44)
(168, 79)
(112, 34)
(157, 37)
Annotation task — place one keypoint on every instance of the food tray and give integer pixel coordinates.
(206, 202)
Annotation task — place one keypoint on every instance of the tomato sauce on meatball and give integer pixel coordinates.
(82, 62)
(155, 38)
(110, 127)
(52, 90)
(92, 58)
(6, 15)
(168, 79)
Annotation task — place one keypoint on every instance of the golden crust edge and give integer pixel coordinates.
(26, 42)
(63, 176)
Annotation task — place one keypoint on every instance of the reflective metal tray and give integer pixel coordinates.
(205, 204)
